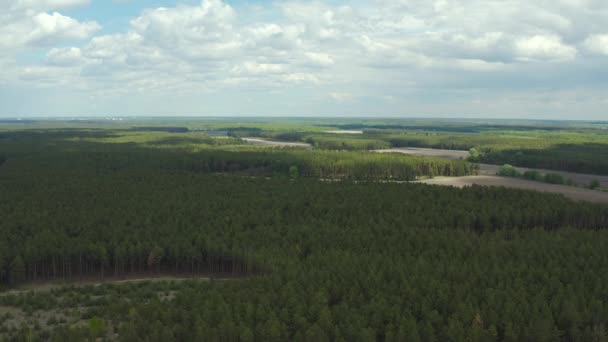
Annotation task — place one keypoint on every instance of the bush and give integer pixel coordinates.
(474, 154)
(554, 178)
(594, 184)
(508, 171)
(293, 171)
(52, 320)
(533, 175)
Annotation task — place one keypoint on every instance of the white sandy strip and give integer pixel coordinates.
(257, 141)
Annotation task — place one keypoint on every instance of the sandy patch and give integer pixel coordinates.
(428, 152)
(257, 141)
(345, 131)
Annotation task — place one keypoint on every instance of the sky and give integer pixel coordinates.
(542, 59)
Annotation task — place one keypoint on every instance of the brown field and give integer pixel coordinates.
(568, 191)
(428, 152)
(257, 141)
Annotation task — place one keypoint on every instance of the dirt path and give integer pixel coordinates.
(257, 141)
(568, 191)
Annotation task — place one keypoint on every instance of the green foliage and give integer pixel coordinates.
(293, 171)
(97, 327)
(508, 171)
(17, 270)
(291, 259)
(594, 184)
(554, 178)
(474, 154)
(533, 175)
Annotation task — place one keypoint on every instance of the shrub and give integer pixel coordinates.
(554, 178)
(533, 175)
(293, 171)
(508, 171)
(474, 153)
(594, 184)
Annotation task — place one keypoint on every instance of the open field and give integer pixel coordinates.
(568, 191)
(256, 141)
(427, 152)
(345, 131)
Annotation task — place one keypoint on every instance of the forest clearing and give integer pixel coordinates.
(428, 152)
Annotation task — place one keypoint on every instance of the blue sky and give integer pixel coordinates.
(390, 58)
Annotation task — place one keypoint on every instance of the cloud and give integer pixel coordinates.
(42, 5)
(597, 44)
(320, 59)
(341, 97)
(544, 47)
(26, 25)
(65, 56)
(406, 50)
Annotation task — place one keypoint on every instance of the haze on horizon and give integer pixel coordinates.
(389, 58)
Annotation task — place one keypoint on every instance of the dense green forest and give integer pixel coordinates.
(573, 148)
(303, 245)
(109, 151)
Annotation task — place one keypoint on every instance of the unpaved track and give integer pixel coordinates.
(568, 191)
(257, 141)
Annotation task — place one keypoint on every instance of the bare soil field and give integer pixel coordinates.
(257, 141)
(568, 191)
(427, 152)
(345, 131)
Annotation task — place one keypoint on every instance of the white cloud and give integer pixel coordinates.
(27, 25)
(65, 56)
(405, 50)
(321, 59)
(341, 97)
(42, 5)
(597, 43)
(544, 47)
